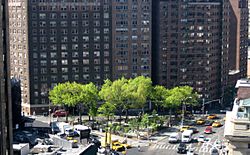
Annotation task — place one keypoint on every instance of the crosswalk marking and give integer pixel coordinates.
(204, 148)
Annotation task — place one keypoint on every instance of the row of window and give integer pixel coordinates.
(73, 31)
(43, 16)
(73, 7)
(73, 69)
(66, 24)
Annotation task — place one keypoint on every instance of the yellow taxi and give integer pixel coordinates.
(200, 121)
(212, 116)
(216, 124)
(183, 128)
(117, 146)
(126, 145)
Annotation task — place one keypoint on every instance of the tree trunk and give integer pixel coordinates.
(170, 116)
(80, 113)
(126, 119)
(120, 117)
(89, 118)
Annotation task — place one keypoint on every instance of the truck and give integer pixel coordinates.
(65, 129)
(186, 136)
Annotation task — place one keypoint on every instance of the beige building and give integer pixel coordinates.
(237, 125)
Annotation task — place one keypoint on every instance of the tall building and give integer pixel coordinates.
(131, 38)
(197, 43)
(5, 85)
(248, 60)
(237, 131)
(54, 41)
(58, 41)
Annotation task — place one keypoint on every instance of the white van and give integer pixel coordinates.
(186, 136)
(174, 137)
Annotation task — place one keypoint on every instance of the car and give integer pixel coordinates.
(209, 123)
(194, 130)
(216, 124)
(200, 121)
(54, 128)
(208, 130)
(212, 116)
(214, 151)
(201, 138)
(218, 144)
(174, 137)
(183, 128)
(117, 146)
(182, 148)
(190, 151)
(60, 113)
(126, 145)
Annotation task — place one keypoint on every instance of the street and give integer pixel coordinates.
(159, 145)
(163, 147)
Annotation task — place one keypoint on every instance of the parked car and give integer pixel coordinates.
(60, 113)
(208, 130)
(201, 138)
(216, 124)
(182, 148)
(209, 123)
(212, 116)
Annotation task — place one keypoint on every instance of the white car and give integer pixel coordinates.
(190, 151)
(218, 144)
(201, 138)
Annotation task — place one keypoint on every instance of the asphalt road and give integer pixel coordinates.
(162, 147)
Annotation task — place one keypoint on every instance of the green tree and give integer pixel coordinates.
(107, 110)
(158, 95)
(140, 89)
(115, 93)
(89, 97)
(178, 96)
(66, 94)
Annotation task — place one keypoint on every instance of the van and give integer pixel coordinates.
(174, 137)
(186, 136)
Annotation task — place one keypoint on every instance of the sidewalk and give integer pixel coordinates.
(130, 141)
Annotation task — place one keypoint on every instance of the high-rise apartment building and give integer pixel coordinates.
(198, 42)
(238, 121)
(131, 34)
(53, 41)
(5, 85)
